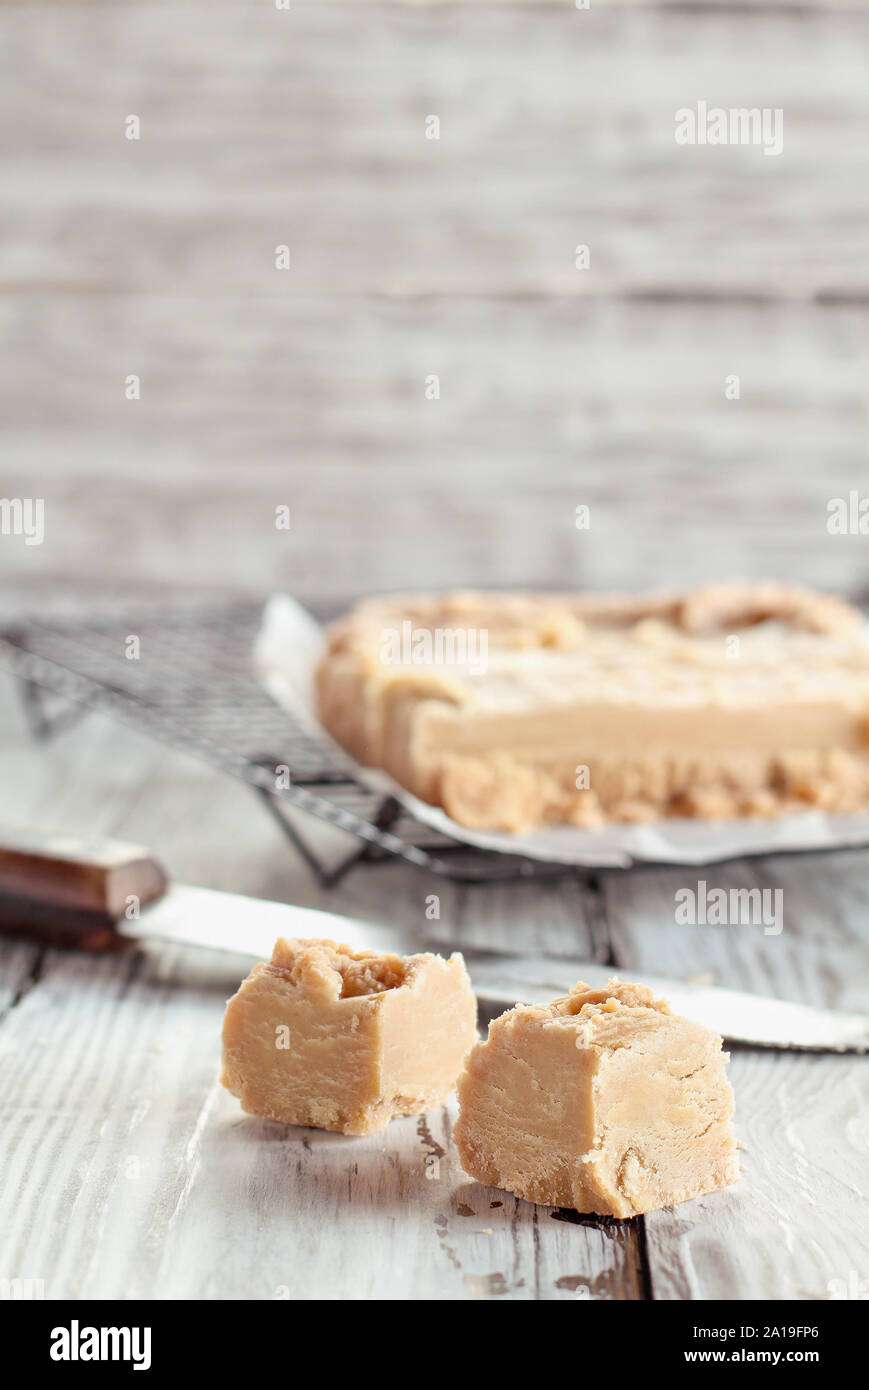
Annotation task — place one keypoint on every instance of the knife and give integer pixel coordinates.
(102, 894)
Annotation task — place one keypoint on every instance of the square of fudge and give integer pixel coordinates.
(603, 1101)
(339, 1039)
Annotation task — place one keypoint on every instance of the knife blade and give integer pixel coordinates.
(70, 890)
(250, 926)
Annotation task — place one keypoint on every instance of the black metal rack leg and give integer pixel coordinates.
(329, 877)
(43, 725)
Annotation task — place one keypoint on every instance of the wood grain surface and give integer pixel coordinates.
(413, 258)
(130, 1172)
(127, 1170)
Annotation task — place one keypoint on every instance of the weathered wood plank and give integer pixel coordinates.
(389, 1216)
(307, 129)
(318, 372)
(543, 407)
(549, 396)
(95, 1165)
(796, 1221)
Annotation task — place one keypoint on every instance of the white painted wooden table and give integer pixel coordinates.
(126, 1170)
(129, 1172)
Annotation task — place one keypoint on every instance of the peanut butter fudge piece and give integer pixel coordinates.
(603, 1101)
(339, 1039)
(513, 711)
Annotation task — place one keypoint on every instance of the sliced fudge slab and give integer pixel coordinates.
(339, 1039)
(513, 711)
(603, 1101)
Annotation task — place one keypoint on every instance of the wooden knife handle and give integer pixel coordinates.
(71, 890)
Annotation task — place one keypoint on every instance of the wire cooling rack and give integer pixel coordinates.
(191, 685)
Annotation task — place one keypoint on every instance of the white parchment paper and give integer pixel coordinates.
(287, 648)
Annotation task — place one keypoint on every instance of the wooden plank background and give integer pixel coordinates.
(413, 257)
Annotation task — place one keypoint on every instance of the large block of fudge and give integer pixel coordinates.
(514, 711)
